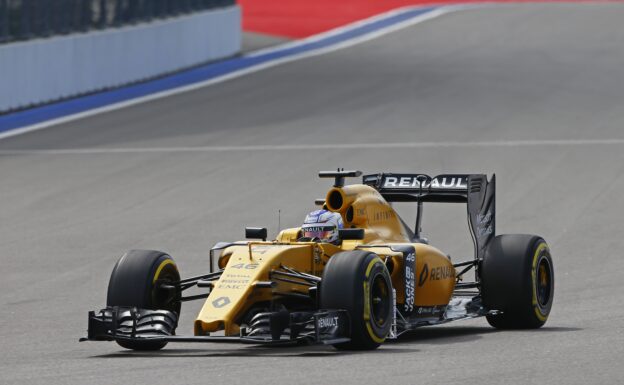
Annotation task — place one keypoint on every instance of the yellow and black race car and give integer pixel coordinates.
(378, 280)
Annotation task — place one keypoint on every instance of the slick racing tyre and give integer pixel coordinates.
(133, 284)
(518, 279)
(359, 282)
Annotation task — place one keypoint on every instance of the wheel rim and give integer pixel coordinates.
(161, 298)
(380, 300)
(543, 282)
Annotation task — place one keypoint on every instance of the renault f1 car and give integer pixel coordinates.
(380, 281)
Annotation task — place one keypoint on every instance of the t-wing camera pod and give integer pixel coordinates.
(340, 175)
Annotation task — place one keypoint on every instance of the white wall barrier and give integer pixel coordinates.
(44, 70)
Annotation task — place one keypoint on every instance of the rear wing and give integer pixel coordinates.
(473, 189)
(420, 187)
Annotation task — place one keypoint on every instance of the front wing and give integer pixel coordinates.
(133, 324)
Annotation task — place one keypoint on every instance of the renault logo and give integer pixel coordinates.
(220, 302)
(423, 275)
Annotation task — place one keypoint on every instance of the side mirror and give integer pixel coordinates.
(350, 234)
(256, 233)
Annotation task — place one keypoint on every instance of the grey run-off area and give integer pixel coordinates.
(513, 74)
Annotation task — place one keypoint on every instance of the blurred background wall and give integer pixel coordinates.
(54, 49)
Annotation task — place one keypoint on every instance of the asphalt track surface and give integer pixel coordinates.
(545, 83)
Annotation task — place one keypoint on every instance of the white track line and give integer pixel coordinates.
(321, 51)
(316, 147)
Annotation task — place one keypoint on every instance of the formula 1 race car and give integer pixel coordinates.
(378, 281)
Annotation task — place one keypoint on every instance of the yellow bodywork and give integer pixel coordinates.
(360, 206)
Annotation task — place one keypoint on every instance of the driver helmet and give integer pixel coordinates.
(322, 225)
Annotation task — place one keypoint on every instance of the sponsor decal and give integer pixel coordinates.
(414, 182)
(328, 322)
(317, 255)
(259, 249)
(246, 266)
(484, 218)
(430, 310)
(236, 284)
(317, 229)
(484, 225)
(441, 272)
(410, 275)
(435, 274)
(221, 302)
(234, 276)
(383, 215)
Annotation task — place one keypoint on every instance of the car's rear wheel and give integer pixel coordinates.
(135, 282)
(359, 282)
(518, 280)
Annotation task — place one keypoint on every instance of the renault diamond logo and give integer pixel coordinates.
(423, 275)
(220, 302)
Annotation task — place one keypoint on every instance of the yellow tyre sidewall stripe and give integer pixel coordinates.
(161, 267)
(367, 289)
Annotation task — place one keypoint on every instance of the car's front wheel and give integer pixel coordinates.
(134, 283)
(359, 282)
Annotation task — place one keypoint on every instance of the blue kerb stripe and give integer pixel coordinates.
(81, 104)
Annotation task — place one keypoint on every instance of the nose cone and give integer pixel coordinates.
(235, 292)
